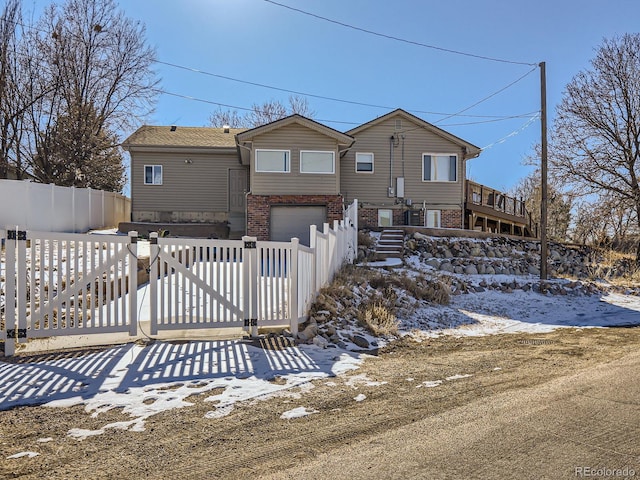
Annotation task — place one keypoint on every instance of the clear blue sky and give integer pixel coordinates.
(257, 41)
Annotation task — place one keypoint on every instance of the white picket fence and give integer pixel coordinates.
(58, 284)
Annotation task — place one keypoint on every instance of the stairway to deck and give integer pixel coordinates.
(390, 244)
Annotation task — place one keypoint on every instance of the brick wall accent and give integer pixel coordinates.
(451, 219)
(368, 218)
(259, 209)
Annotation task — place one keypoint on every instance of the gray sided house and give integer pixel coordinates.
(405, 171)
(187, 175)
(294, 166)
(275, 180)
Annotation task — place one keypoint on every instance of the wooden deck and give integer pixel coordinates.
(489, 210)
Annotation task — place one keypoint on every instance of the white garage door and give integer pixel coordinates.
(288, 222)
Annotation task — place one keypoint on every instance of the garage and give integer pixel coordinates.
(294, 221)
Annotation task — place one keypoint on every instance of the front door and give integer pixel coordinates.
(237, 190)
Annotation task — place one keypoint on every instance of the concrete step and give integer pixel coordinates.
(389, 248)
(390, 244)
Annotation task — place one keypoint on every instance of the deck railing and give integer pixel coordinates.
(482, 195)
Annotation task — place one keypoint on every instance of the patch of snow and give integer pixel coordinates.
(360, 397)
(389, 262)
(458, 376)
(430, 384)
(220, 411)
(45, 440)
(297, 413)
(23, 454)
(362, 379)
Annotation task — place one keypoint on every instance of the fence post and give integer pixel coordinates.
(355, 229)
(327, 259)
(294, 278)
(132, 284)
(313, 244)
(251, 283)
(22, 291)
(154, 256)
(10, 296)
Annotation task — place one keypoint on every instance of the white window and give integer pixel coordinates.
(317, 162)
(439, 168)
(153, 174)
(432, 219)
(385, 218)
(364, 162)
(277, 161)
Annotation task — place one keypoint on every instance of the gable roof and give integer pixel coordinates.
(341, 138)
(195, 137)
(472, 150)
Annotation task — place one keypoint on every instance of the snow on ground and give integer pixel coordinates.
(146, 379)
(493, 312)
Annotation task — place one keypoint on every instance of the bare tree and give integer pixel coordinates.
(95, 67)
(9, 105)
(595, 148)
(230, 118)
(558, 204)
(262, 114)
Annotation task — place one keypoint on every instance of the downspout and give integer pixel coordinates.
(402, 136)
(248, 192)
(390, 190)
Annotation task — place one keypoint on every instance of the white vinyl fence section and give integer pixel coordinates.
(50, 208)
(59, 284)
(67, 284)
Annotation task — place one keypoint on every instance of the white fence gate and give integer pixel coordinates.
(73, 284)
(67, 284)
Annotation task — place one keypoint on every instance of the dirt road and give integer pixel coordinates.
(504, 406)
(582, 425)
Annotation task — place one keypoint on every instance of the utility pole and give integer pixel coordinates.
(543, 171)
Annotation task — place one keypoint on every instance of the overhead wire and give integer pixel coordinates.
(399, 39)
(512, 134)
(235, 107)
(251, 109)
(460, 113)
(323, 97)
(335, 99)
(489, 96)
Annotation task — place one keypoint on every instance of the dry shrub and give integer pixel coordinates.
(365, 239)
(421, 288)
(615, 267)
(378, 318)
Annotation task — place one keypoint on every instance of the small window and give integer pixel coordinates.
(385, 218)
(317, 162)
(439, 168)
(273, 161)
(153, 174)
(433, 219)
(364, 162)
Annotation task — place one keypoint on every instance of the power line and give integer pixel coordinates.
(235, 107)
(322, 97)
(398, 39)
(489, 96)
(512, 134)
(533, 115)
(334, 99)
(528, 115)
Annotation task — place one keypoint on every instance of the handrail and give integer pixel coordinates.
(482, 195)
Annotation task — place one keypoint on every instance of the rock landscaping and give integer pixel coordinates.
(360, 308)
